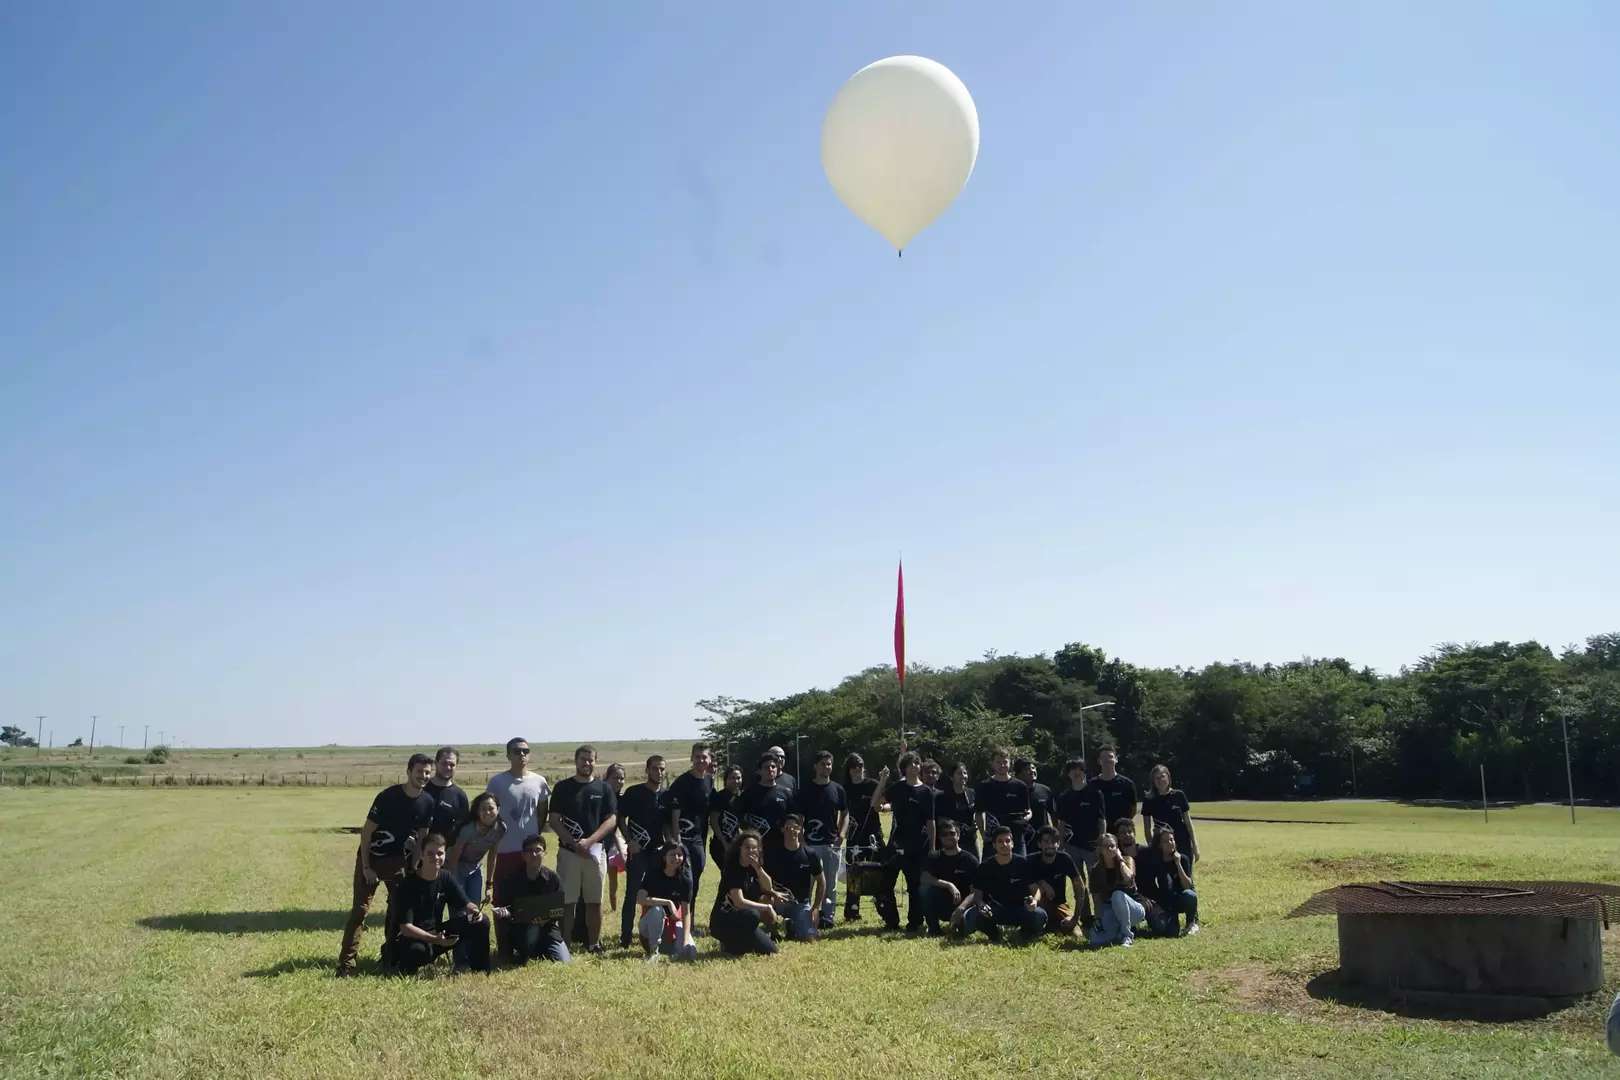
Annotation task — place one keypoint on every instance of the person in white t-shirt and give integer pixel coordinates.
(524, 799)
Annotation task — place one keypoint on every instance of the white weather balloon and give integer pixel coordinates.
(899, 143)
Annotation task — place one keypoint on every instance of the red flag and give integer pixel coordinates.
(900, 624)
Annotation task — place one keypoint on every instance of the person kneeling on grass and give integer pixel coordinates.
(947, 880)
(1113, 892)
(743, 914)
(797, 878)
(419, 904)
(1170, 887)
(665, 896)
(1056, 872)
(528, 938)
(1005, 892)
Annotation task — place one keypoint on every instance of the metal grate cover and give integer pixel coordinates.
(1563, 899)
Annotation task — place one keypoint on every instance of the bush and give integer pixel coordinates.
(132, 760)
(157, 755)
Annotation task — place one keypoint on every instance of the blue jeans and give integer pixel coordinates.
(801, 923)
(829, 869)
(634, 867)
(471, 880)
(1117, 919)
(1031, 922)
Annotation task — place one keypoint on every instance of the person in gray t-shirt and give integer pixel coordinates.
(524, 800)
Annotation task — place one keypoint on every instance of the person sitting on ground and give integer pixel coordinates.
(472, 857)
(725, 813)
(1170, 887)
(529, 939)
(1056, 871)
(399, 818)
(742, 914)
(1166, 807)
(1145, 860)
(1114, 895)
(796, 875)
(419, 914)
(665, 898)
(1005, 892)
(947, 879)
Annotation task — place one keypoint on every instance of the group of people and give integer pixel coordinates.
(1000, 855)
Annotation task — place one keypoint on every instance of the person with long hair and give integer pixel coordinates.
(956, 802)
(611, 843)
(418, 913)
(1171, 887)
(1167, 807)
(665, 899)
(472, 858)
(864, 835)
(743, 909)
(1115, 896)
(725, 813)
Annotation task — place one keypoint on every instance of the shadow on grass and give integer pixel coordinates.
(1430, 1005)
(309, 963)
(254, 922)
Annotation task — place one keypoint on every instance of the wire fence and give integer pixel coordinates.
(75, 776)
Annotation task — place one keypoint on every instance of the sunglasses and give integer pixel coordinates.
(524, 750)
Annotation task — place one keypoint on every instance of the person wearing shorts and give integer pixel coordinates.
(583, 811)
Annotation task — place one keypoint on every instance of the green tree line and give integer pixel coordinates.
(1235, 730)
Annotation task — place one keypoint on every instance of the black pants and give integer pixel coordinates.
(866, 845)
(411, 955)
(695, 863)
(740, 933)
(911, 866)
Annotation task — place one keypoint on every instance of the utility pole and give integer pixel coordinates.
(120, 736)
(144, 729)
(160, 736)
(798, 761)
(93, 736)
(39, 737)
(1569, 773)
(1082, 710)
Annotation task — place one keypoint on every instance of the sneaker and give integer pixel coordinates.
(624, 941)
(347, 973)
(597, 950)
(993, 932)
(1128, 942)
(852, 914)
(824, 923)
(654, 956)
(1192, 928)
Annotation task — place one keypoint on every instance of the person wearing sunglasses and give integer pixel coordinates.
(524, 799)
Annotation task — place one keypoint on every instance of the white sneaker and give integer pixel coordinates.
(1192, 928)
(1127, 943)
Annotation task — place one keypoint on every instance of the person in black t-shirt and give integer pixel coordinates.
(911, 838)
(957, 802)
(584, 811)
(1117, 790)
(1040, 803)
(725, 813)
(796, 877)
(864, 836)
(665, 898)
(688, 802)
(528, 940)
(947, 879)
(1056, 871)
(642, 811)
(417, 909)
(1005, 892)
(743, 910)
(452, 810)
(825, 809)
(1167, 807)
(1002, 799)
(765, 803)
(399, 818)
(1080, 815)
(1169, 884)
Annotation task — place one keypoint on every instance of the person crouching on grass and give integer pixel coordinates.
(530, 940)
(947, 880)
(797, 879)
(1113, 892)
(418, 913)
(1005, 892)
(665, 896)
(1056, 872)
(1170, 887)
(743, 915)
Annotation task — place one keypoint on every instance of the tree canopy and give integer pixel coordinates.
(1235, 729)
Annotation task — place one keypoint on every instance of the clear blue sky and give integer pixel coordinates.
(406, 372)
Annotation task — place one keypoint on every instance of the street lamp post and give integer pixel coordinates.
(1083, 710)
(798, 762)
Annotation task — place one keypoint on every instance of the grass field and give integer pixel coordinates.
(192, 933)
(314, 766)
